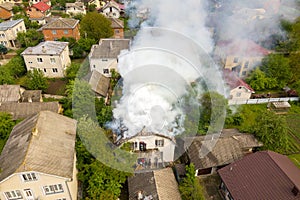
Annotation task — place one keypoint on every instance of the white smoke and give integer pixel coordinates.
(170, 51)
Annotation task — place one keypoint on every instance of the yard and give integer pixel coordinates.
(295, 158)
(210, 186)
(56, 86)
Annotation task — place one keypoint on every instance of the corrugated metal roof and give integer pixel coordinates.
(46, 48)
(9, 93)
(159, 184)
(262, 175)
(35, 145)
(109, 48)
(9, 24)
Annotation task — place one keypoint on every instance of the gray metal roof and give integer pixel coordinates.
(43, 143)
(46, 48)
(109, 48)
(9, 24)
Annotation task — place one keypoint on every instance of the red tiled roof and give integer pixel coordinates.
(233, 81)
(41, 6)
(242, 47)
(262, 175)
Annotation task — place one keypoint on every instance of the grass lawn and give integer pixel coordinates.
(56, 86)
(295, 158)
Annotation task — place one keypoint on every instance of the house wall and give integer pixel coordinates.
(50, 35)
(100, 64)
(15, 182)
(111, 12)
(5, 14)
(242, 61)
(74, 11)
(240, 93)
(10, 35)
(61, 63)
(98, 3)
(168, 148)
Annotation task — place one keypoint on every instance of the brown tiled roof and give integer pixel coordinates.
(242, 47)
(262, 175)
(35, 145)
(233, 81)
(213, 151)
(61, 23)
(158, 184)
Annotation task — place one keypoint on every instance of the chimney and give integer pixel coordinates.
(43, 49)
(295, 191)
(34, 131)
(140, 195)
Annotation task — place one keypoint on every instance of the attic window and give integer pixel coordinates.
(240, 87)
(159, 143)
(29, 177)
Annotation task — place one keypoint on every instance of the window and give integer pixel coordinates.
(52, 60)
(66, 31)
(54, 32)
(94, 66)
(105, 71)
(244, 73)
(28, 193)
(2, 35)
(238, 94)
(30, 62)
(246, 64)
(62, 199)
(236, 60)
(29, 177)
(159, 143)
(52, 189)
(117, 31)
(15, 194)
(104, 60)
(54, 70)
(45, 70)
(39, 59)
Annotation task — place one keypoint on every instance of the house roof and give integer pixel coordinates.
(7, 6)
(41, 6)
(233, 81)
(109, 48)
(46, 48)
(31, 96)
(160, 184)
(9, 93)
(78, 5)
(242, 47)
(26, 109)
(116, 23)
(34, 145)
(263, 175)
(111, 4)
(9, 24)
(212, 151)
(99, 83)
(61, 23)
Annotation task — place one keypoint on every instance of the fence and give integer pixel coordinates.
(263, 100)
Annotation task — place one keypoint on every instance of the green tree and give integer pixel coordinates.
(103, 112)
(35, 80)
(5, 76)
(17, 9)
(31, 38)
(259, 81)
(212, 112)
(190, 188)
(95, 26)
(6, 125)
(271, 129)
(16, 66)
(28, 24)
(277, 66)
(3, 50)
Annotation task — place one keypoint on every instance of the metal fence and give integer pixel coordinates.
(262, 100)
